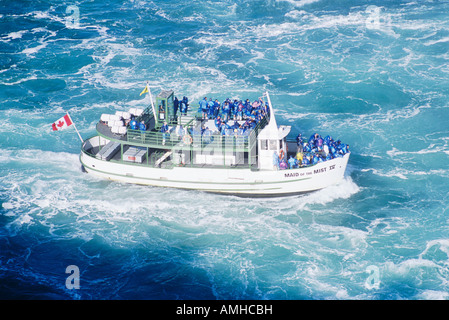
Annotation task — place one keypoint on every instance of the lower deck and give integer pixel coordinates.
(169, 158)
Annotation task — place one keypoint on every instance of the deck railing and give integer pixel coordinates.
(193, 139)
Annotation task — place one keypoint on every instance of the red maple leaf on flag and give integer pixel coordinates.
(62, 123)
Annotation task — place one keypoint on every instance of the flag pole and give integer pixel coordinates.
(75, 127)
(152, 105)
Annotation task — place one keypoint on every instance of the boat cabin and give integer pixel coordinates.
(164, 106)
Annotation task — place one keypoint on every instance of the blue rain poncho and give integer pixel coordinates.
(291, 162)
(275, 159)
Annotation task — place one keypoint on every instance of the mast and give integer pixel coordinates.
(272, 124)
(152, 105)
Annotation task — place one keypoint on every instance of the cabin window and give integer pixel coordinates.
(264, 144)
(162, 110)
(274, 145)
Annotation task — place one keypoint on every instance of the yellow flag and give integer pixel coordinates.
(144, 90)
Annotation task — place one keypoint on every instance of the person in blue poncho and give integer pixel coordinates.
(164, 130)
(275, 161)
(175, 106)
(142, 126)
(207, 135)
(246, 124)
(234, 106)
(328, 140)
(240, 111)
(216, 108)
(133, 124)
(184, 105)
(252, 123)
(299, 142)
(305, 162)
(225, 111)
(203, 107)
(241, 131)
(291, 162)
(218, 122)
(210, 109)
(164, 127)
(181, 107)
(180, 131)
(343, 148)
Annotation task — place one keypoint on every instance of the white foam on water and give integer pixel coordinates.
(218, 40)
(39, 157)
(30, 51)
(342, 240)
(295, 14)
(343, 190)
(39, 185)
(13, 35)
(299, 94)
(388, 21)
(31, 77)
(432, 42)
(46, 37)
(102, 72)
(433, 295)
(396, 173)
(406, 113)
(439, 244)
(426, 272)
(432, 148)
(406, 267)
(369, 122)
(194, 17)
(299, 3)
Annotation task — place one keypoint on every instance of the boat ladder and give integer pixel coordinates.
(165, 156)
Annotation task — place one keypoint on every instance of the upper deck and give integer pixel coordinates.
(238, 131)
(201, 138)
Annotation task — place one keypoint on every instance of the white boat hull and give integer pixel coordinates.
(235, 181)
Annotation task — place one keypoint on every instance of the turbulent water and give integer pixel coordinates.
(374, 74)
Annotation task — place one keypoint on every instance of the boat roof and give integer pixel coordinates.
(274, 133)
(165, 94)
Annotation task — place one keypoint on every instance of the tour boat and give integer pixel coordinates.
(244, 154)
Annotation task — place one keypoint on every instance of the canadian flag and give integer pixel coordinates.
(62, 123)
